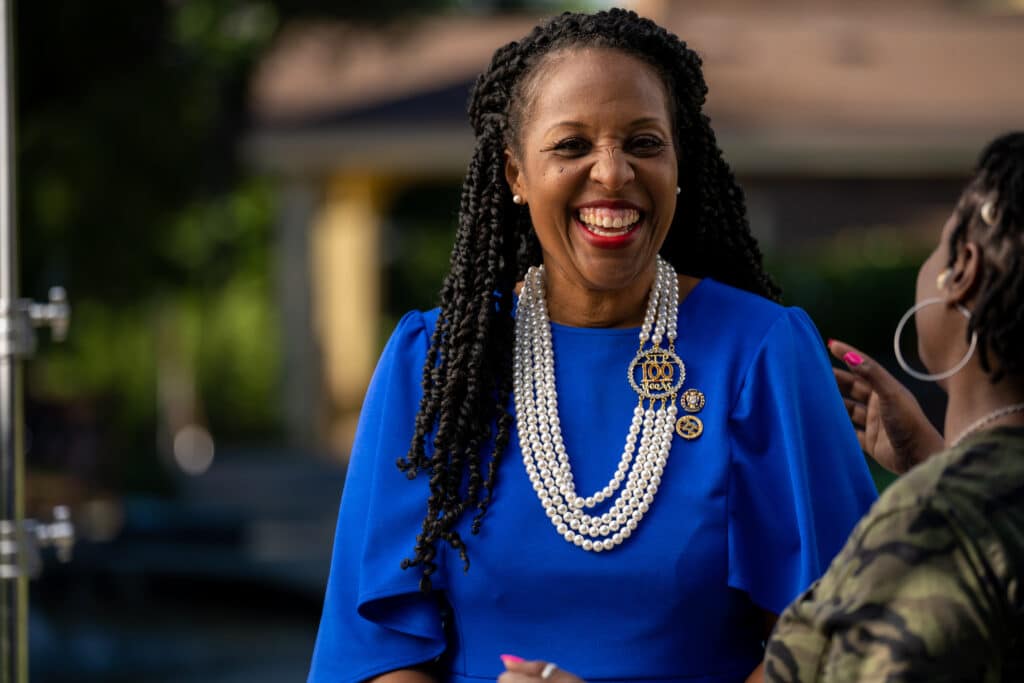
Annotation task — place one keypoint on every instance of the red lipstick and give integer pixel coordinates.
(606, 237)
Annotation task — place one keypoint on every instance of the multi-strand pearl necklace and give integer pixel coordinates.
(649, 439)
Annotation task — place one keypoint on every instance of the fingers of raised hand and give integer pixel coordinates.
(852, 386)
(858, 412)
(839, 349)
(873, 432)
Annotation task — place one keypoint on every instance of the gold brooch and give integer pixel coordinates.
(692, 401)
(661, 374)
(689, 427)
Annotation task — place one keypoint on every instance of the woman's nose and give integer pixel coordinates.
(612, 169)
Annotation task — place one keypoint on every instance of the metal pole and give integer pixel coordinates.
(20, 538)
(13, 589)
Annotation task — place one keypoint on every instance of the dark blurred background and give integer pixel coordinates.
(242, 196)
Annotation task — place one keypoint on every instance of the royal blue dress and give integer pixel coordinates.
(748, 514)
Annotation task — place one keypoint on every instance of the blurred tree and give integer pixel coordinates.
(131, 195)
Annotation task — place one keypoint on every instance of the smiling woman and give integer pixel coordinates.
(609, 379)
(596, 165)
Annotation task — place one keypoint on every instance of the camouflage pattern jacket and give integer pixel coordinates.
(929, 585)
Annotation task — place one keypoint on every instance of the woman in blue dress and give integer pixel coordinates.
(614, 449)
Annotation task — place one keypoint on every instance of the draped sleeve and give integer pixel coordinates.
(375, 618)
(798, 482)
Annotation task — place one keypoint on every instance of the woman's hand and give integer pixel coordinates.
(889, 422)
(518, 670)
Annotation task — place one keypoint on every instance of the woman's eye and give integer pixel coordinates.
(646, 145)
(571, 146)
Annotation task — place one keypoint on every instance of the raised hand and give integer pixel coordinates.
(889, 422)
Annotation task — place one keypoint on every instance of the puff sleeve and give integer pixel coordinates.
(375, 618)
(798, 481)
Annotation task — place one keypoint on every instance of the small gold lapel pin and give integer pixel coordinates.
(692, 401)
(689, 427)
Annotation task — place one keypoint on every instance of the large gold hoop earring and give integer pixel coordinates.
(924, 375)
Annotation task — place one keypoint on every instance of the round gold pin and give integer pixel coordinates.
(692, 401)
(689, 427)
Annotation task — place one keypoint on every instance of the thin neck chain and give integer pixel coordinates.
(988, 419)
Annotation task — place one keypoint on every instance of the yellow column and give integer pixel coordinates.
(346, 297)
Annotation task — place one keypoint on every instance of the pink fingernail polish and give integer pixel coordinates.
(829, 343)
(510, 659)
(853, 359)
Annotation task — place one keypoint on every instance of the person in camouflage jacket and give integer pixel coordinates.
(929, 585)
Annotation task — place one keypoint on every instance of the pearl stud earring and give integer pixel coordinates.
(988, 212)
(517, 199)
(678, 189)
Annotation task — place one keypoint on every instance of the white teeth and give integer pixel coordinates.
(604, 233)
(609, 219)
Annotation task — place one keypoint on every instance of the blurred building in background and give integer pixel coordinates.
(850, 124)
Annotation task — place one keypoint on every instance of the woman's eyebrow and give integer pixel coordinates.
(636, 123)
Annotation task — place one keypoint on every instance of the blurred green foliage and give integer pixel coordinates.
(128, 116)
(855, 288)
(420, 232)
(132, 196)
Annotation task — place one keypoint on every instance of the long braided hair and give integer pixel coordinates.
(998, 316)
(464, 424)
